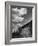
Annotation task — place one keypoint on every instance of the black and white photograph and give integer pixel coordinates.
(20, 22)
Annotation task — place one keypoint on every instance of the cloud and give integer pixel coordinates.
(20, 11)
(17, 18)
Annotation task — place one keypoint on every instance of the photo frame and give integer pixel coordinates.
(16, 30)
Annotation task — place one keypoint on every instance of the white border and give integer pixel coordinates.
(33, 29)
